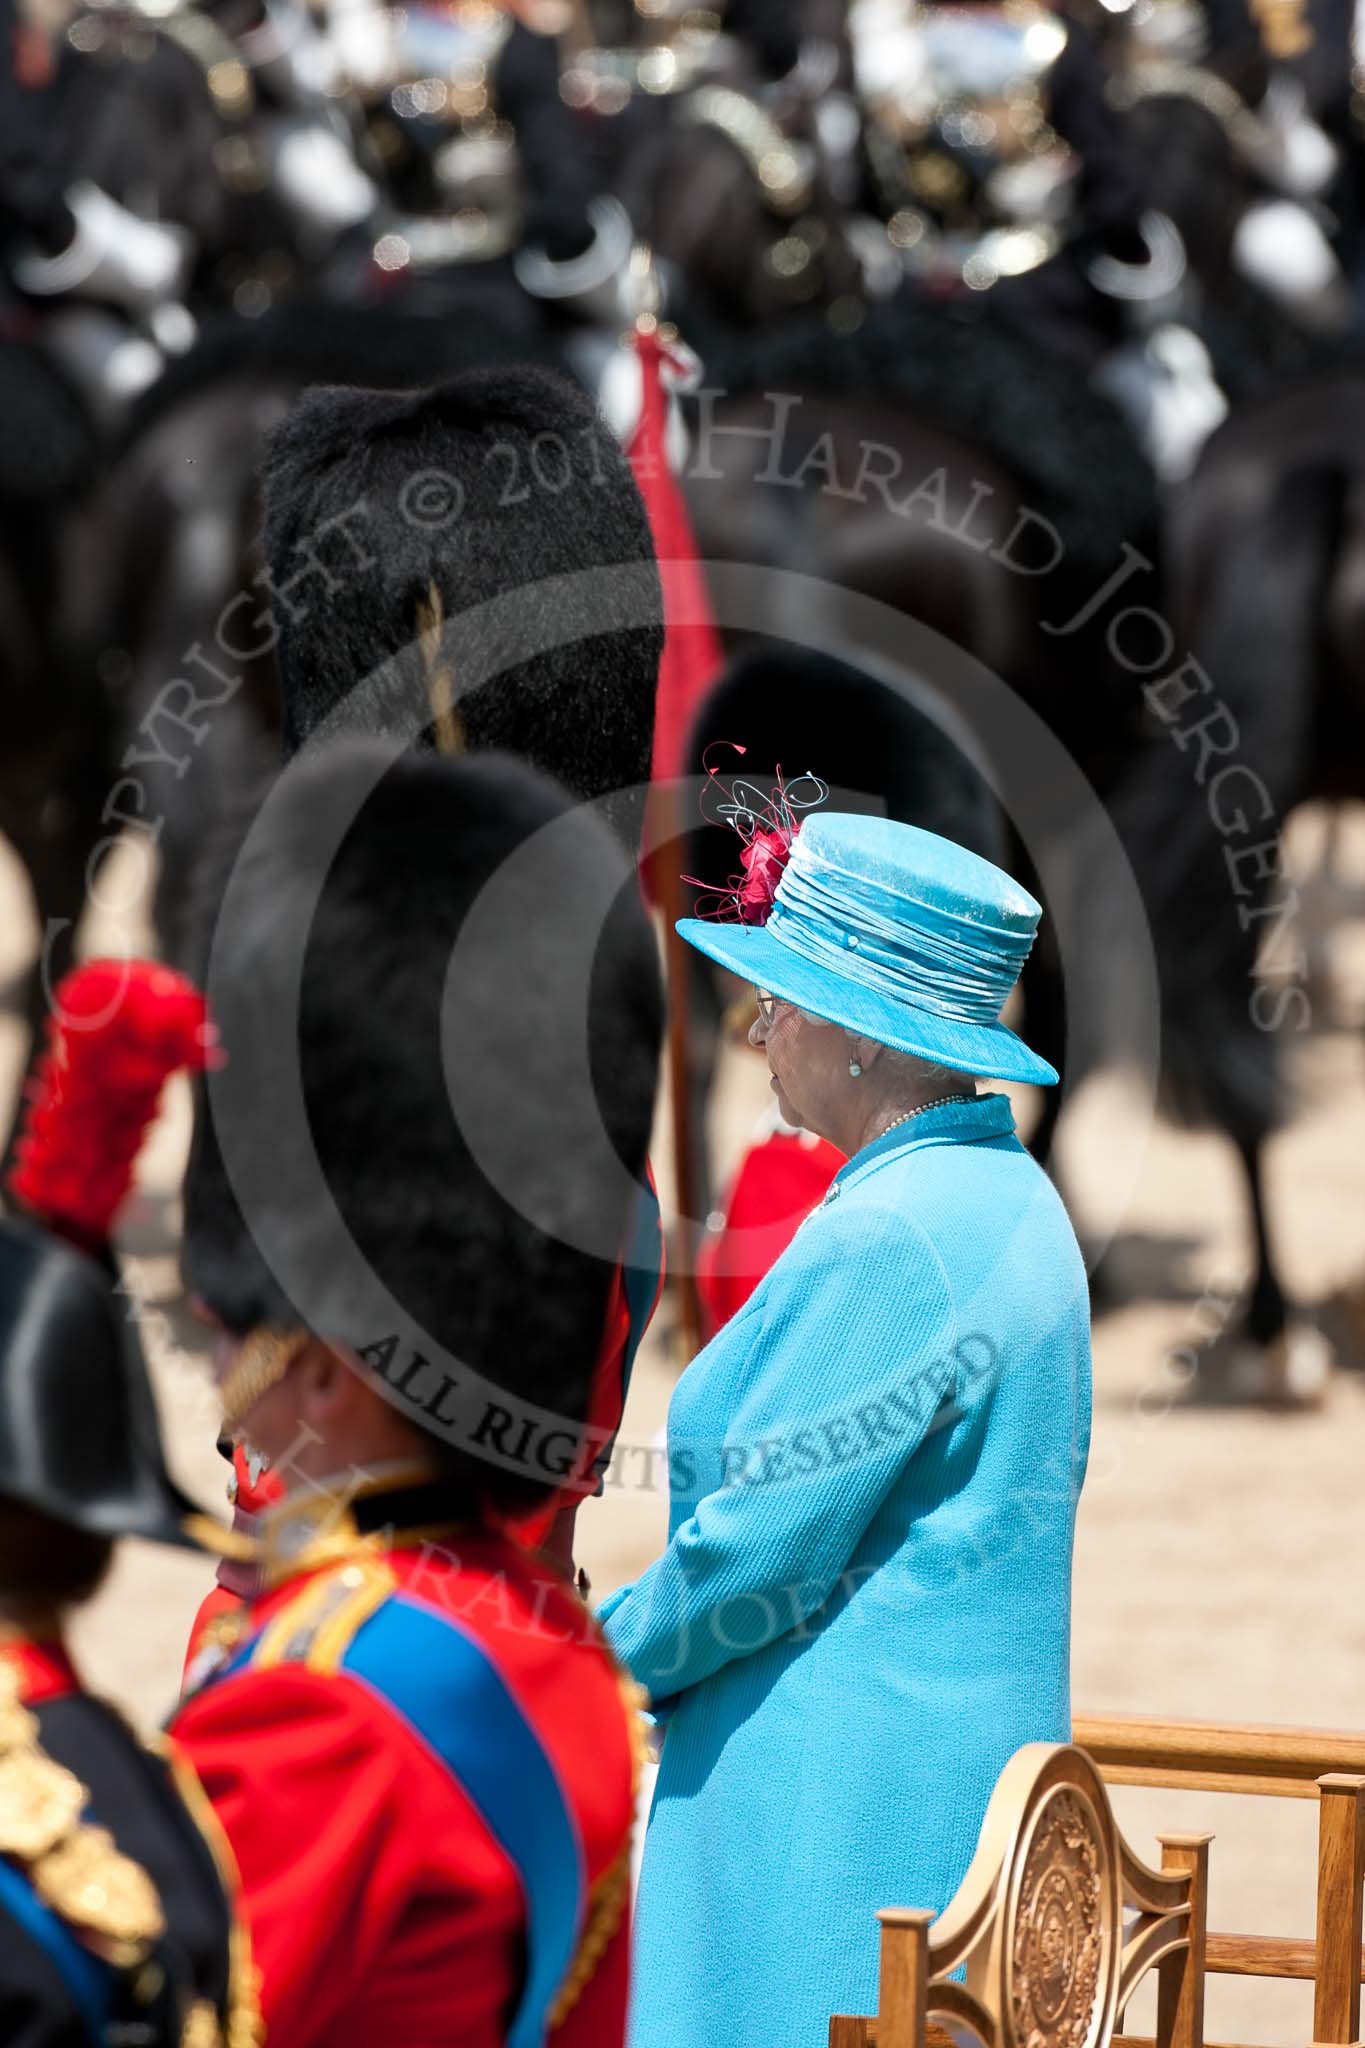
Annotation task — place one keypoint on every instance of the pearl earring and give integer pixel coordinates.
(854, 1070)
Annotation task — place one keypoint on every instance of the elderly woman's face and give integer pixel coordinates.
(808, 1059)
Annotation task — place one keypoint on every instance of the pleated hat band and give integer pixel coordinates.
(948, 937)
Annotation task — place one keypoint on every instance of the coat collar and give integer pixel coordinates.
(951, 1123)
(331, 1521)
(42, 1666)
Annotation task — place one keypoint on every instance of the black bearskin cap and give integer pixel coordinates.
(78, 1428)
(475, 490)
(882, 741)
(454, 965)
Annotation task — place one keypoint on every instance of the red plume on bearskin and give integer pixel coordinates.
(118, 1030)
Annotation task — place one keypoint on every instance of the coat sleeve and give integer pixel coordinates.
(851, 1366)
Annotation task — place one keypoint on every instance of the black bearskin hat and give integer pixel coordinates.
(78, 1429)
(451, 968)
(391, 518)
(881, 741)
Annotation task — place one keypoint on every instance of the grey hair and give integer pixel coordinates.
(916, 1072)
(906, 1067)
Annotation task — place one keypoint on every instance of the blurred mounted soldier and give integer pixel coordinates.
(59, 237)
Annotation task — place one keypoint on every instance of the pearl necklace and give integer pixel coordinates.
(939, 1102)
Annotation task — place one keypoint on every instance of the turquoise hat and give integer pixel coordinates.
(897, 934)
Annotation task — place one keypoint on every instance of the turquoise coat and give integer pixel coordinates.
(864, 1606)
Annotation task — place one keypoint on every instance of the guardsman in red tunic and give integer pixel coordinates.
(437, 994)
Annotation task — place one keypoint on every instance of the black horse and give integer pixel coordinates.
(982, 494)
(1265, 711)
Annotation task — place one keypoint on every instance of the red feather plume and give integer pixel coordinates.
(768, 822)
(118, 1030)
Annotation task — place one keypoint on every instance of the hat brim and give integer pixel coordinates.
(991, 1051)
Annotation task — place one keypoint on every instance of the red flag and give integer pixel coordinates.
(692, 654)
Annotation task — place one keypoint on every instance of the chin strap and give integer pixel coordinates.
(265, 1357)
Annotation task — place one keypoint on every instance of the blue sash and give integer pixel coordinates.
(444, 1684)
(86, 1978)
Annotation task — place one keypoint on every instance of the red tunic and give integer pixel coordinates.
(780, 1180)
(381, 1910)
(45, 1669)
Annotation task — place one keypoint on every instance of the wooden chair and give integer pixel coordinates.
(1284, 1763)
(1038, 1926)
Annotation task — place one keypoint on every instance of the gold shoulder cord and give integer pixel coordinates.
(245, 2027)
(316, 1627)
(107, 1899)
(607, 1901)
(77, 1869)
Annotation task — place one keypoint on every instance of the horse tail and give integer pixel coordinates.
(1203, 813)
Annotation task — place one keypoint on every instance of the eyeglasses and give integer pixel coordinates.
(767, 1005)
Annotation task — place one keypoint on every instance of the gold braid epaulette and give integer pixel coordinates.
(607, 1902)
(108, 1900)
(245, 2028)
(313, 1628)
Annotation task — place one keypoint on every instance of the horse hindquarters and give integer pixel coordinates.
(1202, 816)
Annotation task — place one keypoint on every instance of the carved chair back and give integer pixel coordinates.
(1052, 1928)
(1325, 1764)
